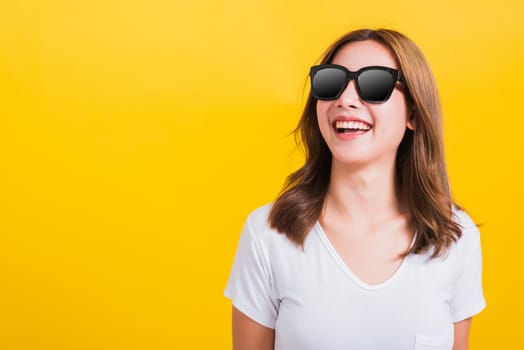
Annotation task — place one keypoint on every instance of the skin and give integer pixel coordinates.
(461, 330)
(361, 188)
(363, 216)
(250, 335)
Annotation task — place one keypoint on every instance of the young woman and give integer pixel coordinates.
(364, 248)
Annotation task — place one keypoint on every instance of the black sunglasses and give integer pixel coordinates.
(374, 83)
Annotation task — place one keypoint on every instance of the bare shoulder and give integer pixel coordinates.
(248, 334)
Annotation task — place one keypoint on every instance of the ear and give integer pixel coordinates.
(411, 123)
(411, 119)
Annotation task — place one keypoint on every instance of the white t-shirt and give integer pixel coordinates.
(314, 302)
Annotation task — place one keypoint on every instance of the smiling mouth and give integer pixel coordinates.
(351, 127)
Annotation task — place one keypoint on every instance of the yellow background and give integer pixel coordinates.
(135, 137)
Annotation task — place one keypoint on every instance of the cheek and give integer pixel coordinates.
(322, 112)
(395, 113)
(401, 109)
(322, 108)
(391, 120)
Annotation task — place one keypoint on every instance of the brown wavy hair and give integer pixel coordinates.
(420, 171)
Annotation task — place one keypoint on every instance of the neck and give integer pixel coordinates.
(364, 196)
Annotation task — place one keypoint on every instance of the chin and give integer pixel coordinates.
(351, 160)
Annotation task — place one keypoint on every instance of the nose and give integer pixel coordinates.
(349, 97)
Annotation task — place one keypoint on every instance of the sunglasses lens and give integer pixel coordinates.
(375, 85)
(327, 83)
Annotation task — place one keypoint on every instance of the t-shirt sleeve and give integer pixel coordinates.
(467, 297)
(250, 284)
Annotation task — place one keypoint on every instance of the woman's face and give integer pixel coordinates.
(388, 120)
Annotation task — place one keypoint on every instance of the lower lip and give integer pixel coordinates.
(350, 136)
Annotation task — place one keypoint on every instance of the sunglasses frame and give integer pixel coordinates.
(395, 73)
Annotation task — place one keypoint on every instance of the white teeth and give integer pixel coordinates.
(352, 125)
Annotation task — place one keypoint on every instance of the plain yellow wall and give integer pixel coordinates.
(135, 137)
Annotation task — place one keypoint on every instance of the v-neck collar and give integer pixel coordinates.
(338, 259)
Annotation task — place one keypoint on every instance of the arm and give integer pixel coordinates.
(461, 330)
(250, 335)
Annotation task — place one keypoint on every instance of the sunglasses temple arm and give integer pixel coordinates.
(401, 77)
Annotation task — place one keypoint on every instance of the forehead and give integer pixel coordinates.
(358, 54)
